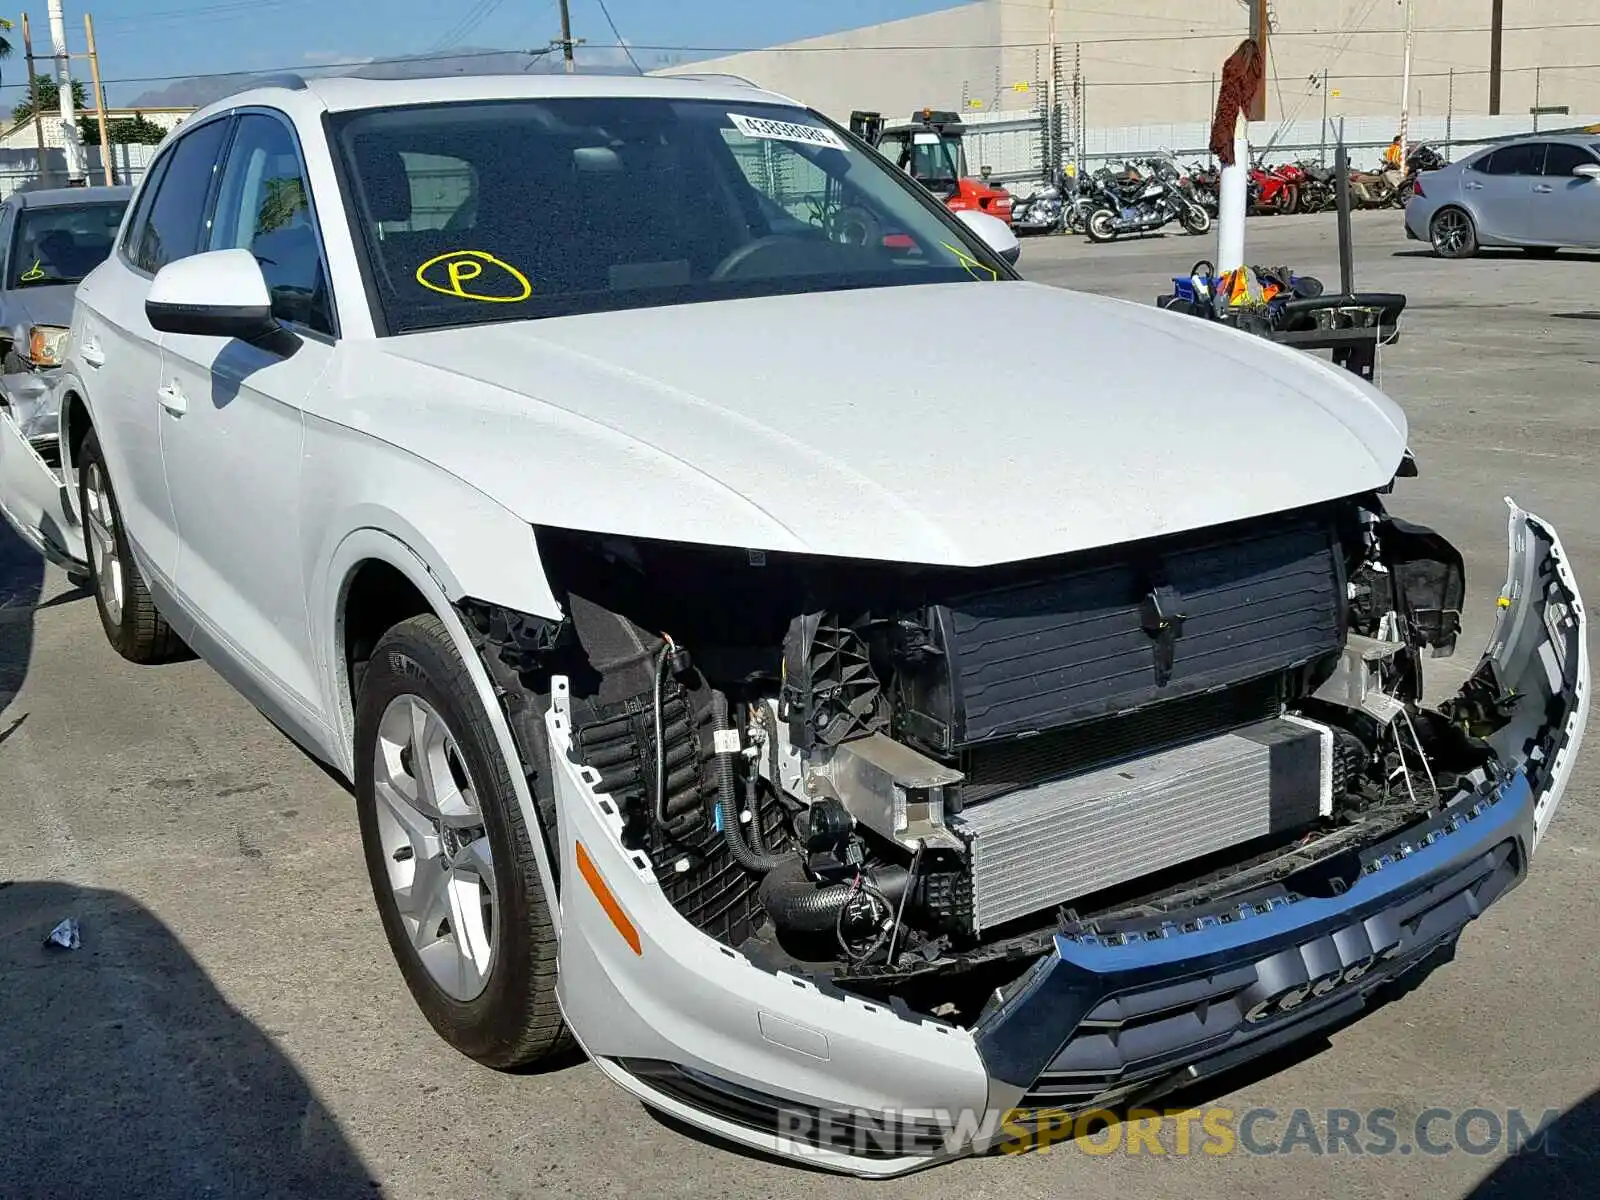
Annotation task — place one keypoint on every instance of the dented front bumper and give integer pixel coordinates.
(802, 1070)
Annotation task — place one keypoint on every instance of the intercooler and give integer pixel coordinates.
(1049, 844)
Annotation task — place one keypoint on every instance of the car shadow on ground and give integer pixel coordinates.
(1507, 254)
(1566, 1163)
(124, 1072)
(21, 582)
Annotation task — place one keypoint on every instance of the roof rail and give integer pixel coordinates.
(291, 80)
(714, 77)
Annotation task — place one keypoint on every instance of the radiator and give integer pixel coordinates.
(1046, 845)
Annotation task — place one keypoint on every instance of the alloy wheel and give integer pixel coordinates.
(100, 521)
(436, 846)
(1450, 231)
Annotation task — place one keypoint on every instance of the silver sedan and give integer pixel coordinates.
(1538, 193)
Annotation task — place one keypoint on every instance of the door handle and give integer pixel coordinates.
(1543, 187)
(172, 399)
(92, 355)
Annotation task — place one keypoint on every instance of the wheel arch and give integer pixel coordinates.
(375, 575)
(75, 421)
(1460, 206)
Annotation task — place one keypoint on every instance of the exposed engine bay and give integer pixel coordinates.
(906, 780)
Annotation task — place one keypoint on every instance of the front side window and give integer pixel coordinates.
(62, 244)
(551, 207)
(1562, 157)
(175, 225)
(264, 206)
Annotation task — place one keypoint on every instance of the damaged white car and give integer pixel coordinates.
(848, 756)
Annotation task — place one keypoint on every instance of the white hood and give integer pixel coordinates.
(956, 424)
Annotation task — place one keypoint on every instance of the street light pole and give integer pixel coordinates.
(76, 168)
(1405, 90)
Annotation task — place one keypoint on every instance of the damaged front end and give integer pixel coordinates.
(889, 844)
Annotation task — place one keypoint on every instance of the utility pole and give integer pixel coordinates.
(566, 42)
(1405, 90)
(1323, 156)
(76, 168)
(99, 99)
(1497, 14)
(46, 176)
(1052, 101)
(1260, 28)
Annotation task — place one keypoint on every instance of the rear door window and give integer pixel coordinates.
(1524, 158)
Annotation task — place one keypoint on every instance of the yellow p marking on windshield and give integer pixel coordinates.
(972, 265)
(33, 273)
(452, 271)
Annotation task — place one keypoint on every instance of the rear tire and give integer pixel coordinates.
(127, 613)
(1102, 226)
(450, 858)
(1452, 233)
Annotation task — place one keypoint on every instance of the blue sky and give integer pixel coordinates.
(142, 38)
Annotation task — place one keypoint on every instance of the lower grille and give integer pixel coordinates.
(1045, 845)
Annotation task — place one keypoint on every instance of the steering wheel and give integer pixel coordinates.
(762, 245)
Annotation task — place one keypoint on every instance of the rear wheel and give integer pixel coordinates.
(1102, 225)
(127, 613)
(450, 859)
(1452, 234)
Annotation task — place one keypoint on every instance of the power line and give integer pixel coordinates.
(616, 33)
(243, 72)
(474, 16)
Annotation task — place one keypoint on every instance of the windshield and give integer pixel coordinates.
(62, 243)
(485, 211)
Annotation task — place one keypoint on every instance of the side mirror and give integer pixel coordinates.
(1587, 170)
(996, 234)
(220, 293)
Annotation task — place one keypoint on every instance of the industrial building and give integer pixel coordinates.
(1137, 62)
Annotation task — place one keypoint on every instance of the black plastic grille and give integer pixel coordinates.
(995, 768)
(1157, 620)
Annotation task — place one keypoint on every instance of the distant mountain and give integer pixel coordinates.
(203, 89)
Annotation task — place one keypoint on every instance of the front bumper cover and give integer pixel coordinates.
(794, 1068)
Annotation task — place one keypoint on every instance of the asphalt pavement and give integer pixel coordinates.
(233, 1025)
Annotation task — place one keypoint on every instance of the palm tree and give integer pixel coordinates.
(5, 42)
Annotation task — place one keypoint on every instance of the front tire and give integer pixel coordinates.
(127, 613)
(450, 858)
(1195, 220)
(1452, 233)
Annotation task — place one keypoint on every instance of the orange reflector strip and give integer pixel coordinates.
(597, 885)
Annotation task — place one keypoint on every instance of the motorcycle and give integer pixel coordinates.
(1143, 204)
(1390, 187)
(1043, 211)
(1273, 189)
(1375, 189)
(1205, 185)
(1422, 157)
(1318, 188)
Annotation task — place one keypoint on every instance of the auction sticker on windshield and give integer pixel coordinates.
(787, 131)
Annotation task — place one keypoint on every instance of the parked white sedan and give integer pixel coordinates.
(849, 748)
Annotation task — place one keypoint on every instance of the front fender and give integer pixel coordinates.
(368, 544)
